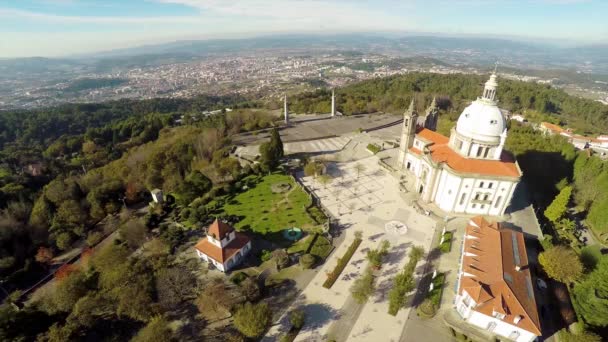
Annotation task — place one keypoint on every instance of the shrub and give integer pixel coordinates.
(374, 148)
(547, 242)
(426, 309)
(281, 258)
(94, 238)
(252, 319)
(446, 246)
(363, 287)
(342, 262)
(297, 318)
(376, 256)
(266, 255)
(237, 278)
(404, 282)
(251, 289)
(64, 241)
(307, 261)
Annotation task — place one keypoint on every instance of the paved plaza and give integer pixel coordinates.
(364, 200)
(328, 145)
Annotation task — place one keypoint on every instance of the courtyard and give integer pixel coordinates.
(361, 196)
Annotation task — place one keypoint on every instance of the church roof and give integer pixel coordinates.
(496, 274)
(504, 167)
(440, 152)
(433, 136)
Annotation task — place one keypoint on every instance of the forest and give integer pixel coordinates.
(393, 94)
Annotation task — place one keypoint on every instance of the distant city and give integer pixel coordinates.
(267, 70)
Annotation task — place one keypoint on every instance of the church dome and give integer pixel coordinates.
(482, 120)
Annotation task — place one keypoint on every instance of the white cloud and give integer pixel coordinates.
(320, 12)
(15, 13)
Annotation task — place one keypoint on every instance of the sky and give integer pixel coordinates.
(55, 28)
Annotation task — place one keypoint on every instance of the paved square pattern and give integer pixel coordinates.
(364, 200)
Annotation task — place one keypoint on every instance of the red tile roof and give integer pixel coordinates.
(415, 151)
(432, 136)
(552, 127)
(504, 167)
(441, 152)
(222, 255)
(492, 278)
(219, 229)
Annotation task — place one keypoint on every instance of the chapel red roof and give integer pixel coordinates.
(222, 255)
(219, 229)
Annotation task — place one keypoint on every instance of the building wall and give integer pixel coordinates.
(502, 328)
(238, 257)
(457, 194)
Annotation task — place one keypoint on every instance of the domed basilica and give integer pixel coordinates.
(469, 172)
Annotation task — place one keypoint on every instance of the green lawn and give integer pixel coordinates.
(266, 212)
(320, 249)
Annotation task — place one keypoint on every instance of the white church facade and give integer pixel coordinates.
(469, 172)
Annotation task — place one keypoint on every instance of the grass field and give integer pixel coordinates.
(266, 212)
(320, 249)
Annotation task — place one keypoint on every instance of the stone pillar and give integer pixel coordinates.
(286, 111)
(333, 103)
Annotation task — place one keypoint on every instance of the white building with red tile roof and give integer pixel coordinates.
(223, 247)
(469, 172)
(494, 285)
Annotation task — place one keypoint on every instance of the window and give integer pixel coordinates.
(476, 196)
(481, 185)
(482, 206)
(490, 185)
(491, 326)
(462, 198)
(485, 154)
(497, 201)
(485, 197)
(474, 206)
(479, 150)
(514, 335)
(459, 144)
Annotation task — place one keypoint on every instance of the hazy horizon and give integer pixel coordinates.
(60, 28)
